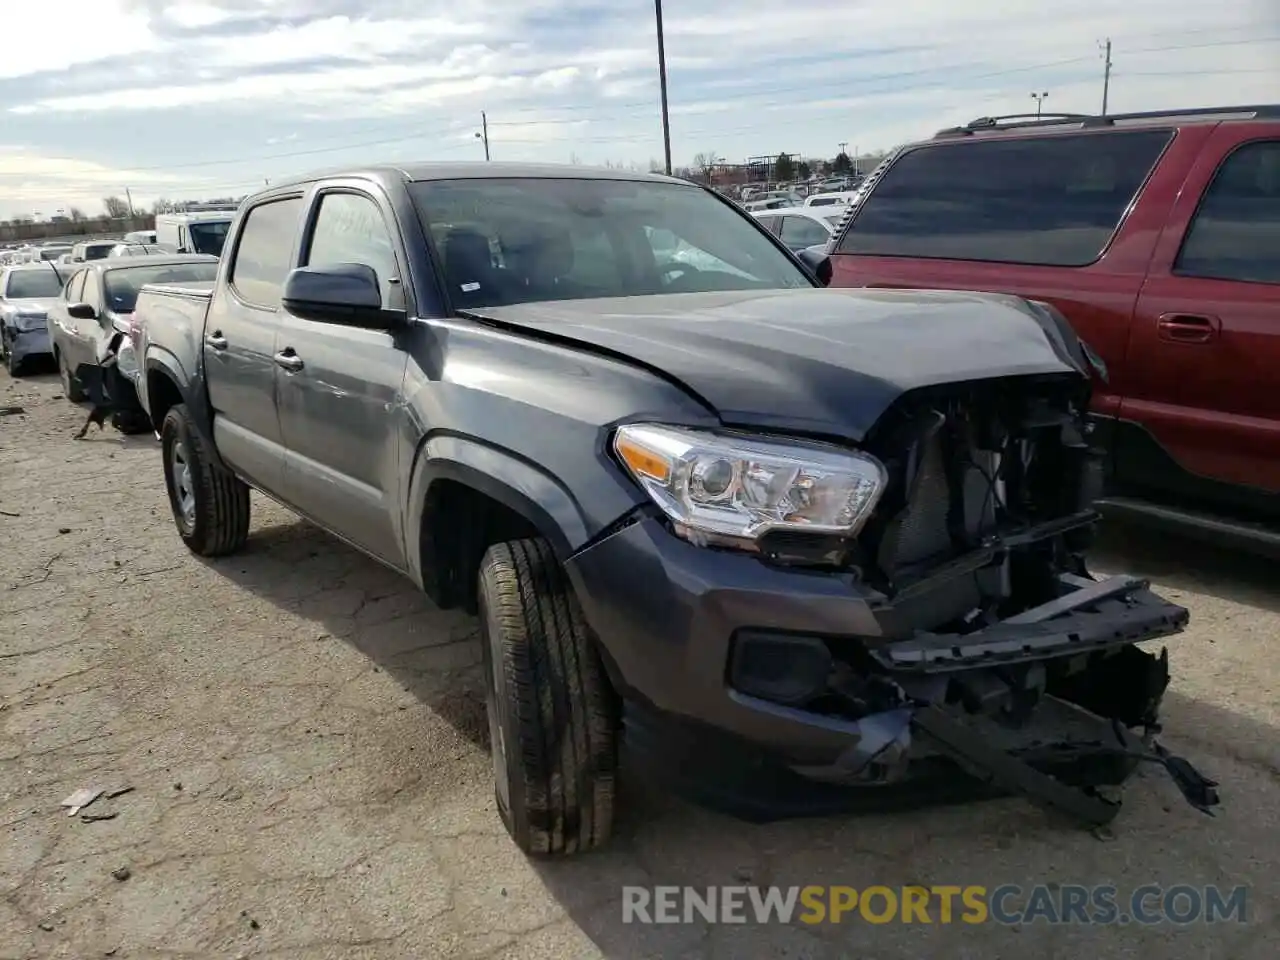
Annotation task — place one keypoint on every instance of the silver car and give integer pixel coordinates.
(27, 291)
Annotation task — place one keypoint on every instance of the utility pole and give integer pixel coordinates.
(483, 133)
(662, 84)
(1106, 75)
(129, 199)
(1039, 98)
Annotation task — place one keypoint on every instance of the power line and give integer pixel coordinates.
(435, 130)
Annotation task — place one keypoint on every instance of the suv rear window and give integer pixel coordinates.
(1053, 201)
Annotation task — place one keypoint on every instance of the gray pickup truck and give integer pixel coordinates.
(789, 541)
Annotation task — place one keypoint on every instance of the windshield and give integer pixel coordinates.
(504, 241)
(53, 253)
(208, 236)
(24, 284)
(97, 251)
(123, 283)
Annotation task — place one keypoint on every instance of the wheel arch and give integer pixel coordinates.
(464, 496)
(167, 385)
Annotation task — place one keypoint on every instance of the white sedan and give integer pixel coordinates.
(802, 227)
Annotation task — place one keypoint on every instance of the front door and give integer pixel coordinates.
(1209, 320)
(240, 342)
(340, 388)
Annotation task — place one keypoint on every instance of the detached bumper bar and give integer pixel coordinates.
(1012, 774)
(1089, 615)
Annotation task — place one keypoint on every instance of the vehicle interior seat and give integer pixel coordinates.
(468, 268)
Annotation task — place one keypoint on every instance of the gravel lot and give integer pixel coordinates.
(305, 737)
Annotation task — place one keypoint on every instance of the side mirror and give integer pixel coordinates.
(816, 259)
(82, 311)
(338, 293)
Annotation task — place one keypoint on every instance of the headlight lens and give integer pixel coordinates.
(718, 487)
(28, 321)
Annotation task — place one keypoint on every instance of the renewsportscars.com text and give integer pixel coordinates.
(1101, 904)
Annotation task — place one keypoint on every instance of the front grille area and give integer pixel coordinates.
(967, 466)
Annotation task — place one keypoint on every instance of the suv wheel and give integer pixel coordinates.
(71, 388)
(210, 504)
(552, 716)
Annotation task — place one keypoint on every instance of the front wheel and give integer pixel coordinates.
(210, 504)
(12, 363)
(552, 715)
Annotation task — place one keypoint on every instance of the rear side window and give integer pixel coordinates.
(1053, 201)
(1236, 232)
(800, 232)
(265, 250)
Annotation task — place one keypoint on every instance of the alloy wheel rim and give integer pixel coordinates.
(183, 489)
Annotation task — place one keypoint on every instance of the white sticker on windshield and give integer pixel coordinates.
(470, 287)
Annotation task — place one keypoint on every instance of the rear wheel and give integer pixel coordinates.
(71, 388)
(552, 715)
(210, 504)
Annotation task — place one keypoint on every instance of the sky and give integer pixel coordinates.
(192, 99)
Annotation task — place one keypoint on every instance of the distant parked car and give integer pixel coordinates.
(140, 236)
(52, 252)
(801, 227)
(27, 291)
(88, 250)
(139, 250)
(839, 198)
(94, 312)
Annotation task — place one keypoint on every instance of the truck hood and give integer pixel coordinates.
(819, 360)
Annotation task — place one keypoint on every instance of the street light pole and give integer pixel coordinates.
(1039, 99)
(662, 83)
(484, 126)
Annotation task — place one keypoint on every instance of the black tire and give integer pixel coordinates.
(218, 521)
(71, 388)
(552, 714)
(12, 364)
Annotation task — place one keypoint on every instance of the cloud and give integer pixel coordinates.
(201, 96)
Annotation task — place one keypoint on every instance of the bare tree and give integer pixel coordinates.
(704, 163)
(115, 207)
(575, 159)
(76, 215)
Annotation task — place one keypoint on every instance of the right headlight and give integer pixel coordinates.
(27, 322)
(726, 488)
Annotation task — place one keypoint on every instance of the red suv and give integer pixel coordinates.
(1158, 236)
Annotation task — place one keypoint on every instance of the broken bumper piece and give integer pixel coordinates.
(1055, 704)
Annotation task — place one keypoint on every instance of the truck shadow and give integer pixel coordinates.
(432, 654)
(670, 843)
(662, 840)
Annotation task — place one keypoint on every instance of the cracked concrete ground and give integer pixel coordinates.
(305, 739)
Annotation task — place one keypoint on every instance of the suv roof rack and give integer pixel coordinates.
(1086, 120)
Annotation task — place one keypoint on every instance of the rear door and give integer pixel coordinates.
(1208, 327)
(340, 386)
(240, 341)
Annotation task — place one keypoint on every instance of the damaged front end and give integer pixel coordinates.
(998, 650)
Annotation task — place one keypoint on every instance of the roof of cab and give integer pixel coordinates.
(476, 170)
